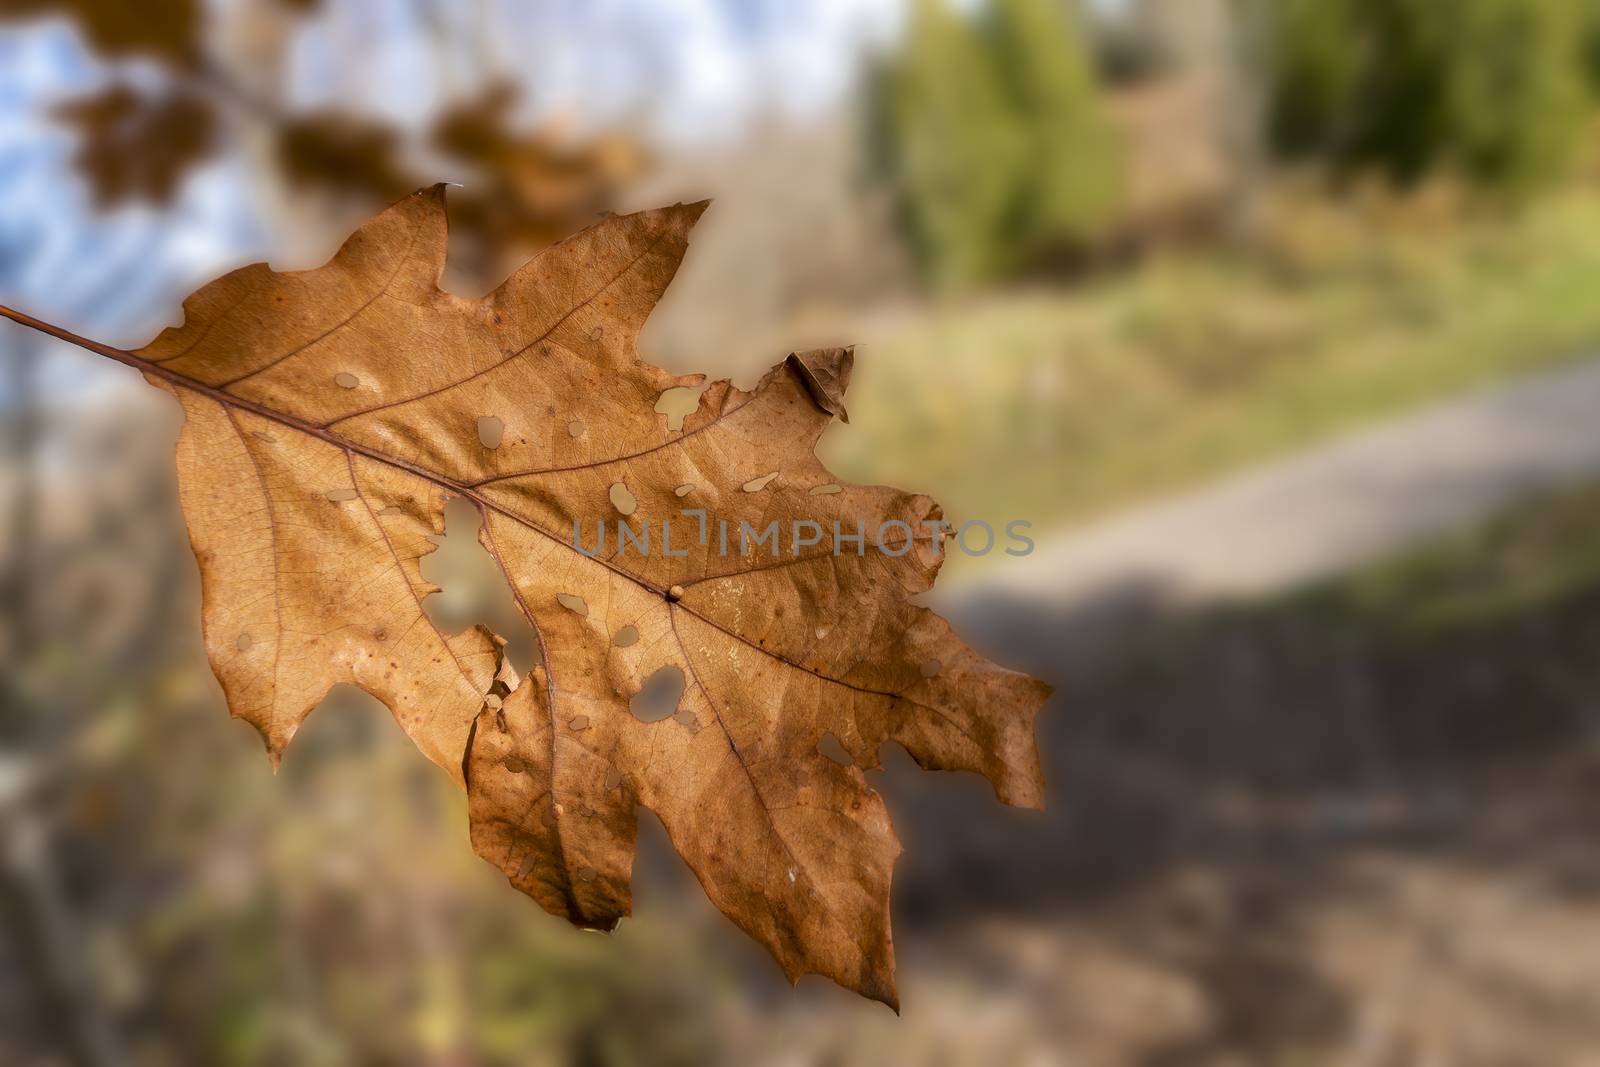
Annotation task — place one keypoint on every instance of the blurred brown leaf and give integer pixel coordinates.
(526, 188)
(165, 29)
(334, 147)
(330, 413)
(135, 147)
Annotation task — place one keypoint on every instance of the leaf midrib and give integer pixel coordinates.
(468, 492)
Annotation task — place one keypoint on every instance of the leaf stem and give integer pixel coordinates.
(23, 318)
(228, 400)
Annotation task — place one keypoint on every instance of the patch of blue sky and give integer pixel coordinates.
(110, 274)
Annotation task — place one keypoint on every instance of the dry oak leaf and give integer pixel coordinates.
(330, 414)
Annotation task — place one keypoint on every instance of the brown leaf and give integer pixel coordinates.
(165, 29)
(133, 147)
(330, 412)
(524, 189)
(336, 147)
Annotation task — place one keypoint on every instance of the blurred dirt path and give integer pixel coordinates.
(1322, 511)
(1277, 835)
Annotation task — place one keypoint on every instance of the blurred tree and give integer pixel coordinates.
(1064, 193)
(947, 138)
(990, 129)
(1495, 90)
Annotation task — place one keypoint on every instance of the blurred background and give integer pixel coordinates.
(1277, 318)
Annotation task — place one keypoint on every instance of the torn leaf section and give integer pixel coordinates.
(541, 811)
(766, 833)
(325, 592)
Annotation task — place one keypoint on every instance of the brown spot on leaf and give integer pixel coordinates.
(622, 499)
(755, 485)
(677, 404)
(834, 749)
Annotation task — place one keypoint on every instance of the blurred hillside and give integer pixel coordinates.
(1093, 253)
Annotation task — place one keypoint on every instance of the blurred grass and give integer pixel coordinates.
(1476, 649)
(1057, 405)
(1541, 554)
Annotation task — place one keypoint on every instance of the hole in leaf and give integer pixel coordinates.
(626, 637)
(338, 496)
(579, 722)
(834, 749)
(755, 485)
(622, 499)
(349, 729)
(931, 667)
(345, 380)
(597, 333)
(244, 642)
(473, 589)
(573, 603)
(491, 431)
(613, 777)
(683, 490)
(677, 404)
(658, 698)
(826, 490)
(575, 428)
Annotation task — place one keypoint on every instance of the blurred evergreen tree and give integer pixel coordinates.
(989, 127)
(1064, 193)
(1495, 90)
